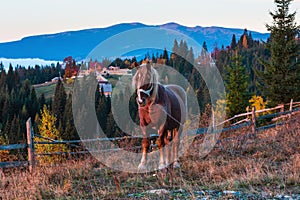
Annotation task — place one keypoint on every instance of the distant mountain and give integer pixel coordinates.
(79, 43)
(26, 62)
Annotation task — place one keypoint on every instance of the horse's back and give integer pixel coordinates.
(181, 96)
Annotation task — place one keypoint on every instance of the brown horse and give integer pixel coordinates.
(163, 108)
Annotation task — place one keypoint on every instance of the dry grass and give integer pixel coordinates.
(269, 162)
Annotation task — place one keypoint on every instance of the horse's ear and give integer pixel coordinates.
(135, 65)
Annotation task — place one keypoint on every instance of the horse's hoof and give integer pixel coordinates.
(142, 167)
(162, 166)
(176, 165)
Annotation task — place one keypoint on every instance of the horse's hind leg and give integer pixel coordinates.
(167, 148)
(175, 146)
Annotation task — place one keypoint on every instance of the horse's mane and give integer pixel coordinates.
(155, 78)
(154, 81)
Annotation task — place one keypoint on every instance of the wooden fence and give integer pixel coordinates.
(249, 119)
(30, 150)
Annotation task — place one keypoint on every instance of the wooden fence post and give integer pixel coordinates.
(254, 120)
(30, 145)
(282, 108)
(291, 109)
(213, 120)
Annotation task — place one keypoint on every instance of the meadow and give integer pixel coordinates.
(48, 89)
(258, 167)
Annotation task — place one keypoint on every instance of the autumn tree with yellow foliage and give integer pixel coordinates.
(48, 131)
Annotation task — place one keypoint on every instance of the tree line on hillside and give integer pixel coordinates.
(18, 102)
(36, 74)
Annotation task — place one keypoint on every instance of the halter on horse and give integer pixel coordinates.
(163, 108)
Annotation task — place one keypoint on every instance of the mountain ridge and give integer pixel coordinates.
(78, 43)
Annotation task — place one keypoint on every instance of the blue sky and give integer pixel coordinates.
(21, 18)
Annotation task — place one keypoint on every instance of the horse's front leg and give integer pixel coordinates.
(161, 144)
(145, 148)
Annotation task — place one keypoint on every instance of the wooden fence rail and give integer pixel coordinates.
(13, 164)
(250, 119)
(13, 146)
(30, 148)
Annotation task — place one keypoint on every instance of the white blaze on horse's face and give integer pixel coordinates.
(146, 92)
(144, 77)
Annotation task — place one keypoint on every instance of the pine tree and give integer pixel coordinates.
(153, 58)
(8, 108)
(15, 131)
(41, 101)
(281, 78)
(204, 48)
(223, 60)
(111, 126)
(233, 42)
(102, 112)
(59, 101)
(180, 60)
(236, 83)
(34, 105)
(204, 57)
(250, 40)
(2, 78)
(10, 81)
(189, 64)
(175, 48)
(70, 132)
(6, 130)
(245, 42)
(166, 56)
(98, 95)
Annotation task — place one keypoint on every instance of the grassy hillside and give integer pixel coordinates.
(48, 89)
(261, 166)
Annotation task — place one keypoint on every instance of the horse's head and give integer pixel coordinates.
(145, 82)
